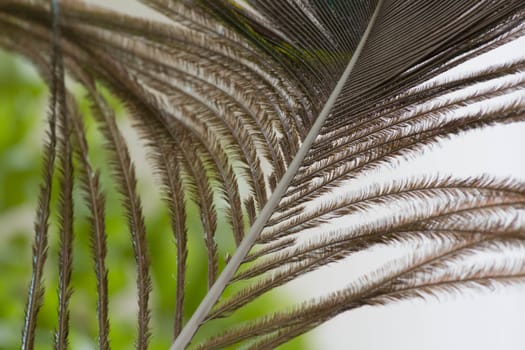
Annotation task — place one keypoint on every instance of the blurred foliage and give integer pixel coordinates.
(23, 98)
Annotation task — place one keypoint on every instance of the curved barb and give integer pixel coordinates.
(40, 245)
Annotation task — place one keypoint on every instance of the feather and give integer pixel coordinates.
(291, 261)
(125, 174)
(66, 214)
(56, 108)
(95, 201)
(171, 175)
(271, 114)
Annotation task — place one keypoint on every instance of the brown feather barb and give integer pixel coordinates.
(270, 114)
(56, 110)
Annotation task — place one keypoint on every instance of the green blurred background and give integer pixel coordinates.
(23, 103)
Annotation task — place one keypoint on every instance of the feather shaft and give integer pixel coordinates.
(214, 293)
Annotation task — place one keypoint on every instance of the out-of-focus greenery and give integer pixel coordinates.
(23, 98)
